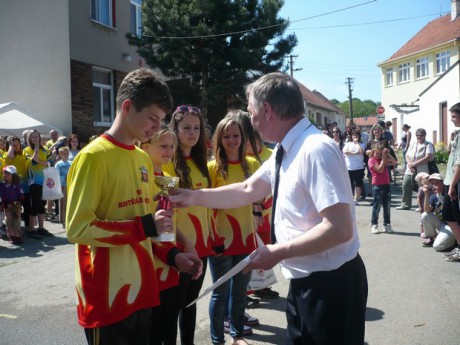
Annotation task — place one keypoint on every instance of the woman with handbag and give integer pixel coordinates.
(417, 157)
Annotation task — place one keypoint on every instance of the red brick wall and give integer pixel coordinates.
(82, 100)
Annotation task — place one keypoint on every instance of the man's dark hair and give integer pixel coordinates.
(455, 108)
(144, 88)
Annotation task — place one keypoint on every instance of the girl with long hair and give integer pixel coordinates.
(189, 163)
(233, 231)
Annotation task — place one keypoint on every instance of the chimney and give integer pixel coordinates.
(455, 9)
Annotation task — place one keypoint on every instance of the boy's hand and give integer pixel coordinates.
(163, 220)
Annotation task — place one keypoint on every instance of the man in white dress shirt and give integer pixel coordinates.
(315, 228)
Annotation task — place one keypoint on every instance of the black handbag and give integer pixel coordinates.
(432, 167)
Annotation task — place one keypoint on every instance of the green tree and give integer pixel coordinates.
(360, 108)
(220, 45)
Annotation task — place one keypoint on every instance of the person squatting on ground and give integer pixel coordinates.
(438, 233)
(379, 159)
(314, 220)
(112, 226)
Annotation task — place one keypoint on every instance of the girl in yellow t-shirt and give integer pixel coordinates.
(161, 149)
(234, 230)
(190, 165)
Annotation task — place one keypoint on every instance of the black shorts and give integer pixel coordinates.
(37, 203)
(450, 208)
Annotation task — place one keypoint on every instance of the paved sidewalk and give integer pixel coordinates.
(414, 294)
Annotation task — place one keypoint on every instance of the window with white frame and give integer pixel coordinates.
(103, 109)
(404, 73)
(422, 67)
(136, 17)
(389, 77)
(102, 11)
(442, 62)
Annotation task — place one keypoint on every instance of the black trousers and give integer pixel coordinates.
(163, 329)
(190, 289)
(329, 307)
(134, 330)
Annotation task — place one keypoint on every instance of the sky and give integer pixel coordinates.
(351, 41)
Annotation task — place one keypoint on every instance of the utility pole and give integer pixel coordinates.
(291, 65)
(350, 98)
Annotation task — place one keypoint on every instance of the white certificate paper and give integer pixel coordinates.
(235, 270)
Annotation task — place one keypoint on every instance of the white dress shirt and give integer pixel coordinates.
(313, 177)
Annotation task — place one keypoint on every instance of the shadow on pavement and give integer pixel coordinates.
(373, 314)
(31, 248)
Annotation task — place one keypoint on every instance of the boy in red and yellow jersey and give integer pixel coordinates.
(110, 218)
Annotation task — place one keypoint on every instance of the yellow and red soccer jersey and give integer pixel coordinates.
(193, 221)
(235, 226)
(264, 228)
(167, 276)
(109, 189)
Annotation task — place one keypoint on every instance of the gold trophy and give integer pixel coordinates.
(165, 183)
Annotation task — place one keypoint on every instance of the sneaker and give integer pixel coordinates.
(44, 232)
(250, 320)
(418, 209)
(356, 202)
(453, 258)
(252, 302)
(375, 229)
(266, 293)
(388, 229)
(451, 253)
(246, 330)
(404, 208)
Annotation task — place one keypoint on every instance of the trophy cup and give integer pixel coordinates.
(165, 183)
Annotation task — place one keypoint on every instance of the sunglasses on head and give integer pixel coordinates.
(188, 109)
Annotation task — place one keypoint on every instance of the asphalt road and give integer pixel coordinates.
(414, 294)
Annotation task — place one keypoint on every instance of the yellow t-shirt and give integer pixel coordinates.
(234, 226)
(193, 221)
(109, 189)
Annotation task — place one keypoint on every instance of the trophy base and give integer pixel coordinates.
(165, 237)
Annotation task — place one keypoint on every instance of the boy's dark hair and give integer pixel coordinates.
(455, 108)
(144, 88)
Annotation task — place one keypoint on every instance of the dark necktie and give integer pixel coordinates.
(278, 159)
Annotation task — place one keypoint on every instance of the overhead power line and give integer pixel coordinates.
(265, 27)
(366, 23)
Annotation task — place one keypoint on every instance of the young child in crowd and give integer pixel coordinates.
(63, 166)
(379, 159)
(234, 231)
(12, 195)
(422, 180)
